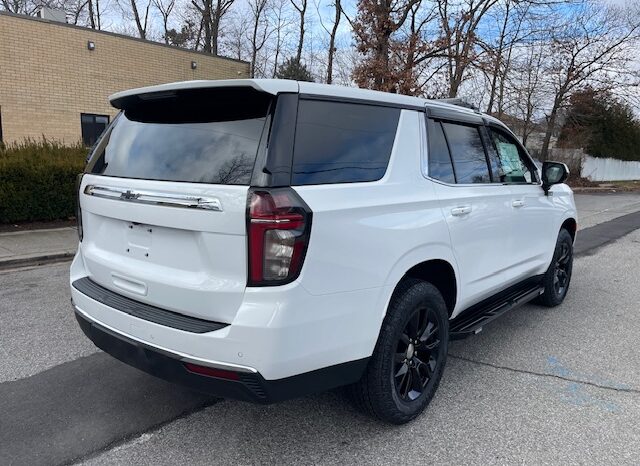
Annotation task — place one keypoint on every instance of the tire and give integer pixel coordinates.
(558, 276)
(409, 358)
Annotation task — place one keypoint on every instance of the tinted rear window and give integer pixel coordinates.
(440, 166)
(339, 142)
(205, 136)
(467, 152)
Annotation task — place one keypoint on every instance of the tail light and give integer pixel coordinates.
(78, 210)
(278, 228)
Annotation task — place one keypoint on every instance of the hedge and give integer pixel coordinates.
(37, 180)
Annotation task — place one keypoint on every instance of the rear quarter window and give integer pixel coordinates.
(338, 142)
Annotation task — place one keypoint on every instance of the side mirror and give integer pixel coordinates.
(553, 173)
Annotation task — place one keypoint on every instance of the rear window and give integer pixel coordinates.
(200, 136)
(339, 142)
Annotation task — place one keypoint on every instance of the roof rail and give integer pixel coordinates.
(460, 103)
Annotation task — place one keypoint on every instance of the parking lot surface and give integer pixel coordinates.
(537, 386)
(597, 208)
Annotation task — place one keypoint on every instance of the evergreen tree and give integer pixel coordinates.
(294, 69)
(602, 125)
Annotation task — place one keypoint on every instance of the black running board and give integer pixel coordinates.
(471, 321)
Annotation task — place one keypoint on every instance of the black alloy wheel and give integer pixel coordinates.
(406, 367)
(557, 278)
(417, 354)
(562, 269)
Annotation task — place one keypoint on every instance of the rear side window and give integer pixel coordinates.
(339, 142)
(440, 167)
(467, 153)
(201, 136)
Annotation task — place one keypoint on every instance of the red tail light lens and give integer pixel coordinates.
(78, 210)
(278, 227)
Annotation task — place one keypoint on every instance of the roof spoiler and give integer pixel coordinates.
(121, 100)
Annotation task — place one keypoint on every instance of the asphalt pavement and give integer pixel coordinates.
(537, 386)
(594, 208)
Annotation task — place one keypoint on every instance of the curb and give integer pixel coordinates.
(41, 230)
(607, 190)
(36, 260)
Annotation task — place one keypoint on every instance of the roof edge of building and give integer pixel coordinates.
(115, 34)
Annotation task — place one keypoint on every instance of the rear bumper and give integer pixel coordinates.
(250, 386)
(280, 331)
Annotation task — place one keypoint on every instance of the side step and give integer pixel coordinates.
(472, 320)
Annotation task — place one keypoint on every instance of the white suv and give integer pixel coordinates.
(266, 239)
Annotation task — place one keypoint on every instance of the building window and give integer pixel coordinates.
(92, 127)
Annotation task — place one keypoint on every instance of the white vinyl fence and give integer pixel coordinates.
(599, 169)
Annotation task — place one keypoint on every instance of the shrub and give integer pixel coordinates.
(37, 180)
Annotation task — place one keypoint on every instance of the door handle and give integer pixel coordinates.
(462, 210)
(518, 203)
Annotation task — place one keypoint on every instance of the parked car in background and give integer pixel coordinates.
(266, 239)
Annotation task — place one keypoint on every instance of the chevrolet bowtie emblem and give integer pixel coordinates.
(129, 195)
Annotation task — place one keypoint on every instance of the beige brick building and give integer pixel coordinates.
(52, 73)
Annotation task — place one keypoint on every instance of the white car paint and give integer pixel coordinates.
(364, 238)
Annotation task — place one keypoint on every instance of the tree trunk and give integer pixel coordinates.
(206, 23)
(302, 12)
(551, 124)
(254, 48)
(332, 42)
(215, 27)
(454, 84)
(141, 30)
(92, 20)
(496, 67)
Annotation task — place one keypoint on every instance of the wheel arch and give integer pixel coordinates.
(440, 274)
(571, 225)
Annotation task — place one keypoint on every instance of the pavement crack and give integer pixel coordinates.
(546, 374)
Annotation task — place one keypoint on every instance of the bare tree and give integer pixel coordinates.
(235, 43)
(281, 20)
(75, 11)
(129, 9)
(92, 14)
(590, 46)
(141, 23)
(511, 16)
(302, 10)
(211, 12)
(259, 32)
(332, 40)
(165, 8)
(528, 88)
(460, 21)
(22, 7)
(333, 32)
(416, 48)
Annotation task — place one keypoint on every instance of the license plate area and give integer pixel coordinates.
(139, 238)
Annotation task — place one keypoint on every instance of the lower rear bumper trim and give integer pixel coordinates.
(251, 386)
